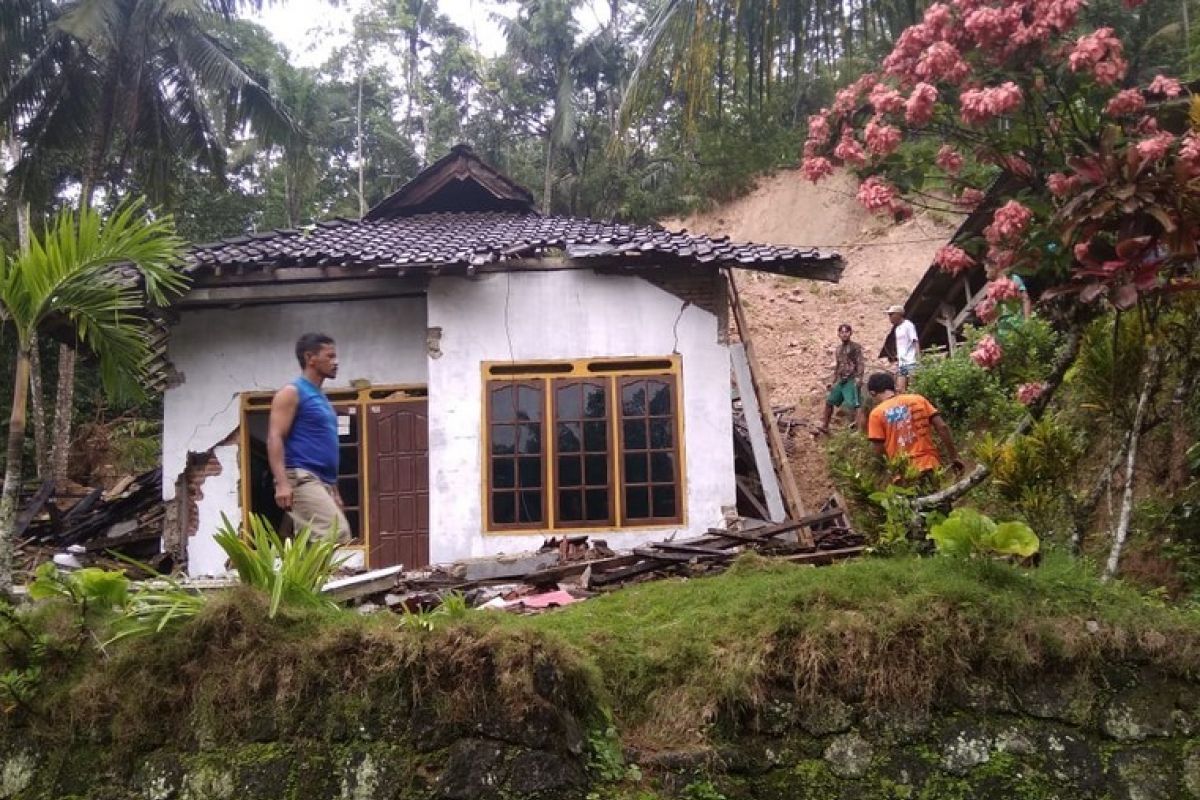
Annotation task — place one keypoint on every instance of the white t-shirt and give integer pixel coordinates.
(906, 343)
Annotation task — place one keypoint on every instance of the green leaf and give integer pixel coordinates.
(1014, 539)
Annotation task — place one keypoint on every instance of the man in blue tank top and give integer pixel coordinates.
(302, 444)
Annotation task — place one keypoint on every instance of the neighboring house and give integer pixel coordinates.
(505, 376)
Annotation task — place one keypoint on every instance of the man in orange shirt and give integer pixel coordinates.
(902, 423)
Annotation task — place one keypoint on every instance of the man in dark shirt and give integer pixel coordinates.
(302, 444)
(844, 387)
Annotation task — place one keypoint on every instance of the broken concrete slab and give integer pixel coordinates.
(502, 567)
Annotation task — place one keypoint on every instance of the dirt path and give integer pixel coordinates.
(794, 322)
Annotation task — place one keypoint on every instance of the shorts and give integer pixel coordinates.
(907, 370)
(314, 507)
(844, 393)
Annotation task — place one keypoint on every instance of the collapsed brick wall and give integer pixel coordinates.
(182, 520)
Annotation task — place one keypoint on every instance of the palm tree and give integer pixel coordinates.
(96, 278)
(132, 87)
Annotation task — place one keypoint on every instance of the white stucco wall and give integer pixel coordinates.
(565, 315)
(222, 353)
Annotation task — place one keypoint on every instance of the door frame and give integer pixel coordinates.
(358, 396)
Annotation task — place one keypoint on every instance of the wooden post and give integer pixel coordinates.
(787, 481)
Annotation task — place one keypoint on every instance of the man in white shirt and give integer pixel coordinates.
(907, 346)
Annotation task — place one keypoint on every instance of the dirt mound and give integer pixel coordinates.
(793, 323)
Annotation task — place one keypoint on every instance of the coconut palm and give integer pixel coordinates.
(95, 277)
(130, 89)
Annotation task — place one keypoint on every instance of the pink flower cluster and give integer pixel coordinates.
(1061, 185)
(918, 109)
(875, 194)
(1008, 223)
(987, 353)
(1100, 54)
(953, 259)
(1003, 289)
(846, 100)
(969, 198)
(882, 140)
(987, 311)
(1168, 87)
(949, 159)
(815, 168)
(818, 129)
(1154, 148)
(1027, 393)
(849, 150)
(941, 61)
(979, 106)
(886, 100)
(1125, 103)
(1189, 153)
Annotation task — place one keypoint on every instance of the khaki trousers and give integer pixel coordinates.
(314, 507)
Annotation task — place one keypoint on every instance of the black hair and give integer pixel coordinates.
(310, 343)
(845, 326)
(881, 382)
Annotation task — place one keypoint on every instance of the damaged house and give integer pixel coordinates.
(505, 375)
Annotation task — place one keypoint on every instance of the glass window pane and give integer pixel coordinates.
(633, 399)
(662, 467)
(660, 398)
(502, 404)
(662, 434)
(594, 405)
(529, 438)
(530, 507)
(349, 424)
(348, 489)
(504, 507)
(637, 502)
(595, 437)
(570, 472)
(529, 406)
(596, 503)
(504, 474)
(595, 470)
(570, 402)
(635, 468)
(504, 439)
(664, 501)
(570, 506)
(569, 437)
(529, 472)
(634, 434)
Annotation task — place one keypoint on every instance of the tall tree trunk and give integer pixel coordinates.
(37, 403)
(1122, 532)
(12, 467)
(548, 173)
(362, 192)
(1181, 440)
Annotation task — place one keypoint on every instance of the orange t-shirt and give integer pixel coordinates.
(903, 424)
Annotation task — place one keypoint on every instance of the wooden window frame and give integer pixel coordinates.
(611, 486)
(677, 469)
(612, 373)
(489, 388)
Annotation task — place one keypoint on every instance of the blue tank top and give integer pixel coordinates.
(312, 443)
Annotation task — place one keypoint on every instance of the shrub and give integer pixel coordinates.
(968, 396)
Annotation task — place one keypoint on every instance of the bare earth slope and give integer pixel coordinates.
(793, 323)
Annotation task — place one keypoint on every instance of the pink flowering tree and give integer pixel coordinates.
(1091, 177)
(1095, 190)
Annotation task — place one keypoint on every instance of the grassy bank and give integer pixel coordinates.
(675, 656)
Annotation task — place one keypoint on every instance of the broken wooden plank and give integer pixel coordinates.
(117, 542)
(791, 494)
(824, 556)
(373, 582)
(746, 491)
(83, 506)
(689, 548)
(758, 435)
(33, 508)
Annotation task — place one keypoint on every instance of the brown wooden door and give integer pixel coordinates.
(398, 488)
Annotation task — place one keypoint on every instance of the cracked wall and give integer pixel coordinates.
(223, 353)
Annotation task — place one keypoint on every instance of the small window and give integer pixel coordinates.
(583, 458)
(516, 454)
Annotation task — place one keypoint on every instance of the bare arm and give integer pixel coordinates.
(943, 432)
(1026, 304)
(283, 414)
(877, 444)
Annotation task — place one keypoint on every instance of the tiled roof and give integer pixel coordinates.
(474, 239)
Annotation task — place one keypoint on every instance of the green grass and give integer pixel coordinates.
(676, 655)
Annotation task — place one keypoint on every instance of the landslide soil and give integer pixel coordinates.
(793, 323)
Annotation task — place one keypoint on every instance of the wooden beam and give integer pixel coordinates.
(284, 292)
(791, 494)
(758, 434)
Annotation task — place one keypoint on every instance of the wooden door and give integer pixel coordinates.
(398, 486)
